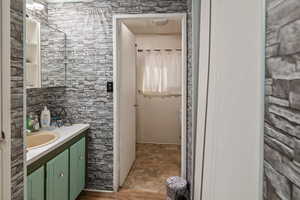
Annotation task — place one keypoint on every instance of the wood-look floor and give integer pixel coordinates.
(146, 180)
(122, 195)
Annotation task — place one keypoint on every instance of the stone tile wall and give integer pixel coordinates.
(37, 98)
(17, 187)
(90, 65)
(39, 15)
(190, 135)
(53, 66)
(282, 111)
(53, 52)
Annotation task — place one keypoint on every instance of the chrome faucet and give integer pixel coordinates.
(60, 119)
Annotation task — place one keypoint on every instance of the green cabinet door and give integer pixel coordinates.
(77, 168)
(57, 183)
(35, 185)
(81, 164)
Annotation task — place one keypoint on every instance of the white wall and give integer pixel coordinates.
(158, 119)
(234, 118)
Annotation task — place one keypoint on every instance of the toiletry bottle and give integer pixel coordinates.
(45, 118)
(29, 123)
(36, 125)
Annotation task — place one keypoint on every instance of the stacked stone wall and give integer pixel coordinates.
(282, 100)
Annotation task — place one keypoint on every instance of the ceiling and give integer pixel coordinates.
(154, 26)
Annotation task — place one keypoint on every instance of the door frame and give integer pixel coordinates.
(116, 96)
(203, 74)
(5, 95)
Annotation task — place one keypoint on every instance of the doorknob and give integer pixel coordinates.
(135, 105)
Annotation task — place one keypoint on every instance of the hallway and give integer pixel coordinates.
(146, 180)
(153, 165)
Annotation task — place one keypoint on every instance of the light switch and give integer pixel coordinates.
(109, 86)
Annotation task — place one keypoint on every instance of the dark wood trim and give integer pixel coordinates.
(52, 154)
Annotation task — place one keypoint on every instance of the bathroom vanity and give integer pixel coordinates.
(56, 170)
(55, 159)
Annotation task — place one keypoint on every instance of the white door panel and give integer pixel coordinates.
(234, 119)
(127, 101)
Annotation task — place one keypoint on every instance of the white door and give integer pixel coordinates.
(234, 119)
(127, 80)
(4, 101)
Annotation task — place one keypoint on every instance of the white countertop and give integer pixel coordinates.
(65, 134)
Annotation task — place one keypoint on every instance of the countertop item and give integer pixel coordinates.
(45, 118)
(64, 134)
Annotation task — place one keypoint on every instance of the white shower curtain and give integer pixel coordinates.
(161, 71)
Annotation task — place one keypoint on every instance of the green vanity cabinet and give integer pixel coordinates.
(35, 185)
(57, 181)
(60, 174)
(77, 168)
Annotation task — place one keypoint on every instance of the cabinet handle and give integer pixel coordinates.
(61, 174)
(81, 157)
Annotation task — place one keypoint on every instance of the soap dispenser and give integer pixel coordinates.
(45, 118)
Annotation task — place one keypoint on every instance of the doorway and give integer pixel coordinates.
(149, 104)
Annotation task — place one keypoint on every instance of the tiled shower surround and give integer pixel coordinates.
(282, 111)
(88, 26)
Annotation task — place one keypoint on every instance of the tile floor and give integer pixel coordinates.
(153, 165)
(146, 180)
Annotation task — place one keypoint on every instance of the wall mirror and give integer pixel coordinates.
(45, 55)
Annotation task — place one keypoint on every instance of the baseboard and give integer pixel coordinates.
(157, 143)
(93, 190)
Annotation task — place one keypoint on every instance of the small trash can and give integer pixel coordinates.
(176, 188)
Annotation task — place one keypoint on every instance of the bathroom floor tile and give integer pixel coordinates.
(146, 180)
(153, 165)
